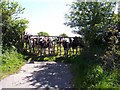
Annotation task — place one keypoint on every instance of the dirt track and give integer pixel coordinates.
(40, 75)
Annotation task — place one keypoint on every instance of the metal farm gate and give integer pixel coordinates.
(50, 45)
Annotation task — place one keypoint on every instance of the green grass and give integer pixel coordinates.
(91, 74)
(57, 57)
(88, 73)
(11, 61)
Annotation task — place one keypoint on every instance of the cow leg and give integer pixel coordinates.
(76, 50)
(54, 49)
(40, 51)
(37, 49)
(30, 48)
(26, 45)
(60, 49)
(73, 50)
(70, 50)
(67, 52)
(80, 49)
(33, 46)
(44, 51)
(64, 52)
(49, 50)
(57, 49)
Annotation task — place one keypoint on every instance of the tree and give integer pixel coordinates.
(13, 27)
(117, 16)
(43, 34)
(91, 20)
(63, 35)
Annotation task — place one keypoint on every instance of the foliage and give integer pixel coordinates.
(117, 16)
(96, 22)
(91, 74)
(63, 35)
(91, 19)
(96, 66)
(43, 34)
(13, 27)
(11, 61)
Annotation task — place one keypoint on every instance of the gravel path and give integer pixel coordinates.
(40, 75)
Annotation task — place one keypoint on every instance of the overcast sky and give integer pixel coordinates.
(46, 15)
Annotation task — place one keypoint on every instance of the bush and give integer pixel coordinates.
(91, 74)
(11, 61)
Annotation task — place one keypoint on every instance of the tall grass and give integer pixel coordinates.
(91, 74)
(11, 61)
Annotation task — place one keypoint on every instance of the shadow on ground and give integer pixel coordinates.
(57, 74)
(50, 75)
(31, 57)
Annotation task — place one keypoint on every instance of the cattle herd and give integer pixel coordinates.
(51, 45)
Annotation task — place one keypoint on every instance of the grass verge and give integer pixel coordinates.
(11, 61)
(91, 74)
